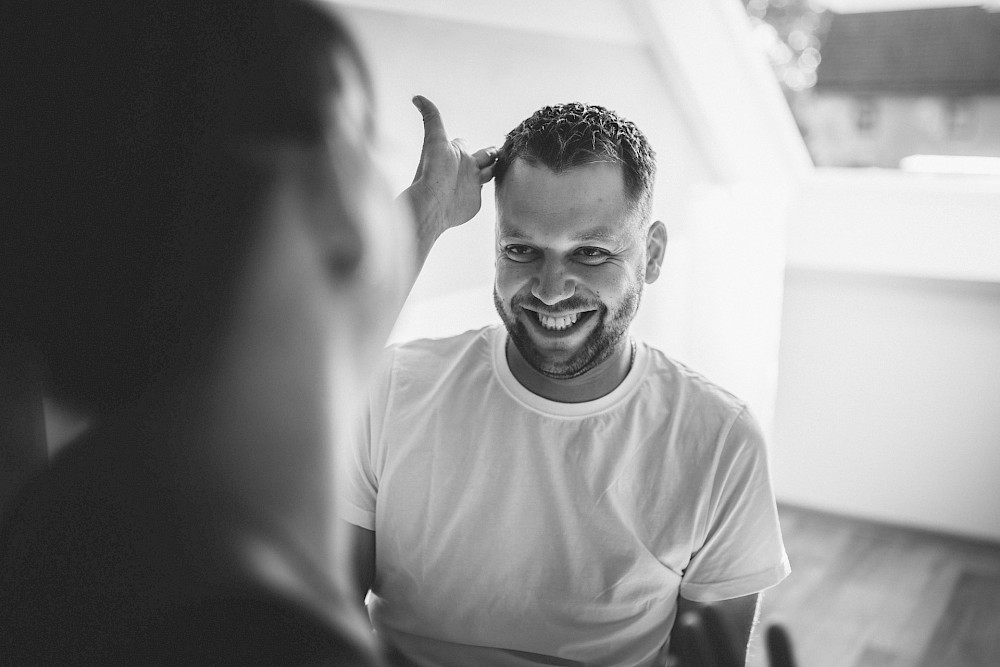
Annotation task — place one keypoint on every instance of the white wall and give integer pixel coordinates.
(889, 380)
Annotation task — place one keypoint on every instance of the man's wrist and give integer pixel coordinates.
(429, 221)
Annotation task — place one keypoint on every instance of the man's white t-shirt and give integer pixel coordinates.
(514, 530)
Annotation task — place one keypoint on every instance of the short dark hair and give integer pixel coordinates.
(132, 189)
(563, 136)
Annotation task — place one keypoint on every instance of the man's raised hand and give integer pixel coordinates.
(447, 188)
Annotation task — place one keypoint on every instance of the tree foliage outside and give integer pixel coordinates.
(791, 33)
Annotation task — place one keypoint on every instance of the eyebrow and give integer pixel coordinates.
(512, 233)
(601, 234)
(604, 234)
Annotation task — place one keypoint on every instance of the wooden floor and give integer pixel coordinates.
(869, 595)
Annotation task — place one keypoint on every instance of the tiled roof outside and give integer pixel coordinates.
(953, 51)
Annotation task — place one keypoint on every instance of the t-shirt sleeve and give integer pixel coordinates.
(360, 462)
(743, 552)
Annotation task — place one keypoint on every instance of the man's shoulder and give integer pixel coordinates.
(424, 361)
(687, 388)
(416, 375)
(447, 347)
(700, 411)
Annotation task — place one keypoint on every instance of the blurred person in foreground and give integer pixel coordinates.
(552, 491)
(202, 263)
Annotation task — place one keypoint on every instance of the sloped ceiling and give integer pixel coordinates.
(721, 84)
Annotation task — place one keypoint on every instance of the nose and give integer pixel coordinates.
(553, 284)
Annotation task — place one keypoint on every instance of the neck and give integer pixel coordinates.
(592, 385)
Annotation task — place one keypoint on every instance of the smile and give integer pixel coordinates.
(560, 322)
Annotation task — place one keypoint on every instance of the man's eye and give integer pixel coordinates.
(592, 255)
(520, 253)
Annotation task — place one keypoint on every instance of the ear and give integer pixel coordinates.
(656, 247)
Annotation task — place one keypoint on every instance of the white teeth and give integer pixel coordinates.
(558, 323)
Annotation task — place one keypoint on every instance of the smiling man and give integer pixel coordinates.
(552, 492)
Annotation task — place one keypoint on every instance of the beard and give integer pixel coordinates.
(599, 345)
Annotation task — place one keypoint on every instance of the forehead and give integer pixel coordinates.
(586, 202)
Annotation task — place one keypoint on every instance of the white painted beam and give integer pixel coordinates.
(725, 89)
(588, 19)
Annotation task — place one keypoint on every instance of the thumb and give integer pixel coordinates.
(433, 125)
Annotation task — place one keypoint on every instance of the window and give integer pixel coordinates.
(866, 115)
(959, 121)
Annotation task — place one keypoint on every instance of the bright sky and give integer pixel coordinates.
(851, 6)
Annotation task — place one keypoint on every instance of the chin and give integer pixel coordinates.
(569, 364)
